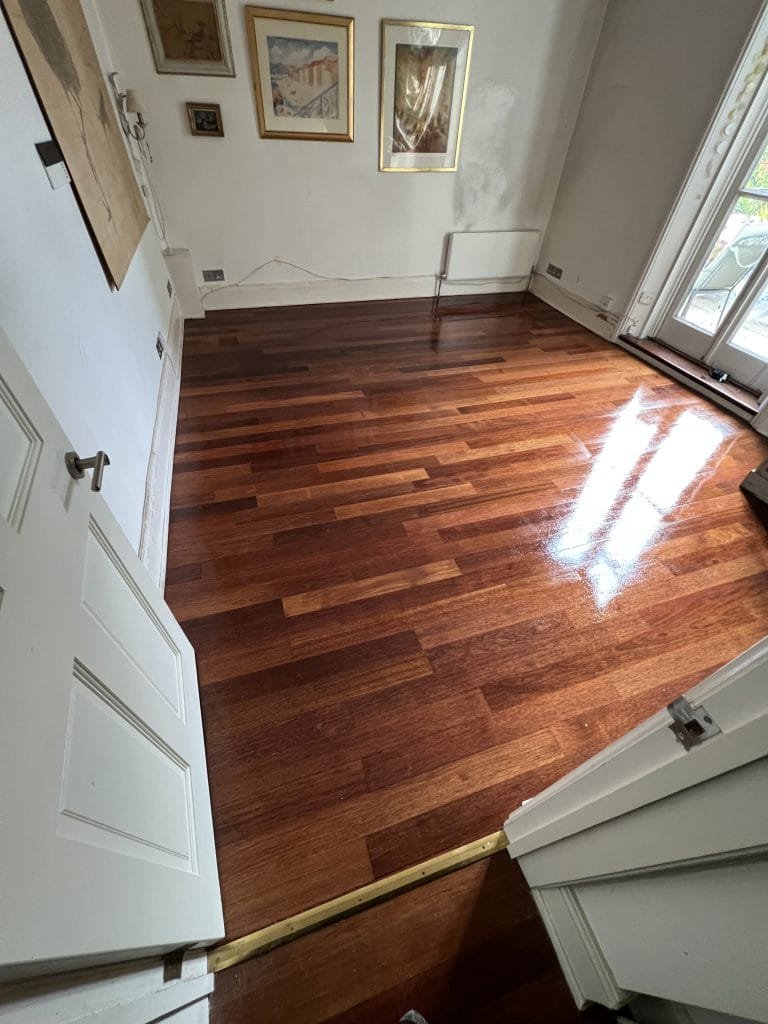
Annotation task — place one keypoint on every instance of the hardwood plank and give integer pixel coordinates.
(373, 586)
(402, 501)
(428, 566)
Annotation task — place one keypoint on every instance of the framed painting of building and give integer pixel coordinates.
(424, 73)
(189, 37)
(303, 74)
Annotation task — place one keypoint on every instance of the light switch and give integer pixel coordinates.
(53, 162)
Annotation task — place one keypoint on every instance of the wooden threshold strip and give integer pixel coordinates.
(662, 356)
(265, 939)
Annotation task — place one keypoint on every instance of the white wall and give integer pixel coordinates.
(239, 201)
(91, 351)
(658, 73)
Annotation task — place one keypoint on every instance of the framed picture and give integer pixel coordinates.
(303, 67)
(189, 37)
(424, 72)
(205, 119)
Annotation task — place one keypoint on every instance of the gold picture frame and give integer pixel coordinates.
(437, 57)
(307, 73)
(205, 120)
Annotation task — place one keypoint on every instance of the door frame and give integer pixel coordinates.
(646, 766)
(739, 121)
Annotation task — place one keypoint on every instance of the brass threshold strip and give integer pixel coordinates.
(265, 939)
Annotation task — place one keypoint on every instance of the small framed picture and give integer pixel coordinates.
(189, 37)
(303, 74)
(424, 73)
(205, 119)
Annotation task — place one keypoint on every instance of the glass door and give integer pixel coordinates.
(720, 314)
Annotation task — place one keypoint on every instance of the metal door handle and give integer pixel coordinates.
(78, 466)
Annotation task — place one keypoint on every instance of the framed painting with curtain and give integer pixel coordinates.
(424, 73)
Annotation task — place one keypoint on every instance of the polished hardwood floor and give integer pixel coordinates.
(428, 567)
(466, 948)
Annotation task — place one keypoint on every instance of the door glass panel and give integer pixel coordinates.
(737, 250)
(758, 179)
(752, 335)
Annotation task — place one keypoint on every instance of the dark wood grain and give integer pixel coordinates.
(430, 566)
(465, 948)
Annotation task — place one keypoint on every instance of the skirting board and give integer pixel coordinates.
(118, 993)
(550, 294)
(302, 293)
(153, 543)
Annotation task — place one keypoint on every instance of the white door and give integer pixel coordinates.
(719, 315)
(106, 839)
(650, 862)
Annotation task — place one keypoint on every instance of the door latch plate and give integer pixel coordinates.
(691, 726)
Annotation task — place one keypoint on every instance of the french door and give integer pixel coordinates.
(719, 315)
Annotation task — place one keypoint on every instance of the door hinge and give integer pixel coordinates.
(692, 726)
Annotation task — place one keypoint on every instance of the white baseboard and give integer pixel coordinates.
(556, 298)
(302, 293)
(153, 544)
(120, 993)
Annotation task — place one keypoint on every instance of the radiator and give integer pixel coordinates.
(490, 255)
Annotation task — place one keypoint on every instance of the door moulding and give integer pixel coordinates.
(738, 121)
(586, 970)
(153, 542)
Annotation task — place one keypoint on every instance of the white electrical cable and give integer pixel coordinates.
(295, 266)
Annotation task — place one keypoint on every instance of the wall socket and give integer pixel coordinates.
(169, 288)
(160, 345)
(554, 271)
(213, 275)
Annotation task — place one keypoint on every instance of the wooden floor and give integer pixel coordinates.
(428, 568)
(467, 948)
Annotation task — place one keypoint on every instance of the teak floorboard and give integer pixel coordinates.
(466, 948)
(428, 567)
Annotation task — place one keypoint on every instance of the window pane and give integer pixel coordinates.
(759, 176)
(753, 333)
(741, 242)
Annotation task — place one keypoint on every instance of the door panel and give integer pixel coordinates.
(106, 834)
(649, 861)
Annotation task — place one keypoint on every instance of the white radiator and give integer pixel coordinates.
(490, 255)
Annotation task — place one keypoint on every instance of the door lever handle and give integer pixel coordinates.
(78, 466)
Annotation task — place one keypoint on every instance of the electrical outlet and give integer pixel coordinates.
(160, 345)
(554, 271)
(606, 302)
(213, 275)
(169, 288)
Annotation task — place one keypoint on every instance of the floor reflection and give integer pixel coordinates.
(622, 505)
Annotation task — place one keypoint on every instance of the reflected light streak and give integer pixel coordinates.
(626, 442)
(681, 456)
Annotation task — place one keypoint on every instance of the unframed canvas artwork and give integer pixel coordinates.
(62, 62)
(305, 77)
(424, 81)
